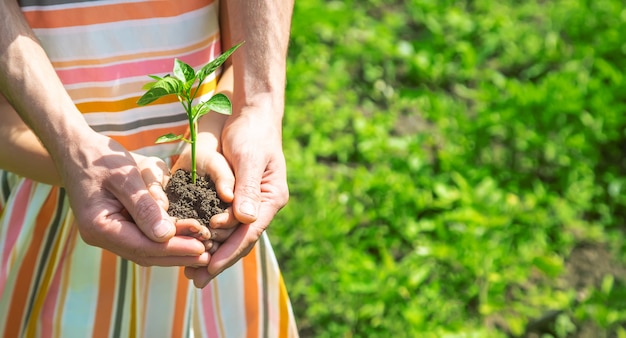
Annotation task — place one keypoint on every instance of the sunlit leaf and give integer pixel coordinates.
(163, 87)
(168, 138)
(219, 103)
(213, 65)
(183, 71)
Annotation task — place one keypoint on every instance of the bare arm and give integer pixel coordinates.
(102, 180)
(251, 140)
(18, 141)
(260, 64)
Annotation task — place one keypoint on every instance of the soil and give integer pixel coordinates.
(586, 267)
(188, 200)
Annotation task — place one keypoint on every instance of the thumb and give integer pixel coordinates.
(247, 193)
(149, 217)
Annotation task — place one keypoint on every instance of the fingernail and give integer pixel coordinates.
(162, 229)
(247, 208)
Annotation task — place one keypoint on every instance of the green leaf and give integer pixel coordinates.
(183, 71)
(213, 65)
(199, 110)
(150, 84)
(165, 86)
(218, 103)
(168, 138)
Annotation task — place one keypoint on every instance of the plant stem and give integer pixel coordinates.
(192, 137)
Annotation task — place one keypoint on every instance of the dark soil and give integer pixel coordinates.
(188, 200)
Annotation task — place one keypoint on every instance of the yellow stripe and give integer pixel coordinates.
(67, 269)
(283, 316)
(133, 303)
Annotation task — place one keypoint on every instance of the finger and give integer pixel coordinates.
(214, 247)
(155, 174)
(225, 219)
(220, 173)
(198, 276)
(241, 241)
(148, 215)
(192, 228)
(193, 261)
(128, 242)
(190, 271)
(220, 235)
(211, 246)
(247, 192)
(228, 253)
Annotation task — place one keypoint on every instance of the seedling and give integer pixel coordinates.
(182, 84)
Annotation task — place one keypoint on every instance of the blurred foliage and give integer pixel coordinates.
(446, 158)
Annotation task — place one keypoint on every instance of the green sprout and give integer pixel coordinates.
(182, 85)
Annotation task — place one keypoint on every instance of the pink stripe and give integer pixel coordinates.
(16, 222)
(137, 68)
(49, 306)
(209, 311)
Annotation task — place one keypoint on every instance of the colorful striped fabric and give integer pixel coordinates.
(52, 284)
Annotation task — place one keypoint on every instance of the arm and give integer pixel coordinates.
(16, 138)
(251, 140)
(101, 178)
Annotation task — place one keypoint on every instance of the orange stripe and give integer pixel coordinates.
(106, 294)
(251, 293)
(146, 138)
(131, 102)
(24, 280)
(180, 307)
(133, 57)
(48, 18)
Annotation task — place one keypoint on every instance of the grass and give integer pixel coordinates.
(456, 168)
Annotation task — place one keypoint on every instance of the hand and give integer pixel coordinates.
(209, 161)
(115, 210)
(252, 144)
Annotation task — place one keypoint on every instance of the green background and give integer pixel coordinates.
(456, 168)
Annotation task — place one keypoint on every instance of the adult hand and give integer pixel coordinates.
(112, 206)
(117, 211)
(251, 142)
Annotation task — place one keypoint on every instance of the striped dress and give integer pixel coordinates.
(52, 284)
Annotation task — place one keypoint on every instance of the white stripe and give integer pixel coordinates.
(161, 301)
(82, 290)
(95, 41)
(230, 288)
(82, 4)
(273, 287)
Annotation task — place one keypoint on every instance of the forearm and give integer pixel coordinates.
(259, 65)
(21, 151)
(30, 84)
